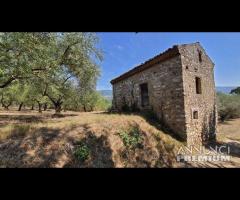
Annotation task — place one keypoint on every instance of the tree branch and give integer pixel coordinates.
(38, 69)
(67, 79)
(47, 95)
(66, 51)
(8, 82)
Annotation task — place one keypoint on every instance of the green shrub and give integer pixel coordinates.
(131, 138)
(228, 106)
(82, 152)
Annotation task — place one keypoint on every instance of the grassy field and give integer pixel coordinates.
(30, 139)
(94, 139)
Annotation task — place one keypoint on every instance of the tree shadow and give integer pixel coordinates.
(147, 154)
(152, 119)
(234, 147)
(45, 147)
(20, 118)
(100, 155)
(226, 122)
(60, 115)
(210, 140)
(37, 150)
(160, 125)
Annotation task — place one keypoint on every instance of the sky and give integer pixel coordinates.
(123, 51)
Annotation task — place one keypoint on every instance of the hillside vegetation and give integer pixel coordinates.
(92, 139)
(228, 106)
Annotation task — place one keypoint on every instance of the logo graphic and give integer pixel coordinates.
(199, 153)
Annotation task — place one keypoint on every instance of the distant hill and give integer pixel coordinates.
(108, 93)
(226, 90)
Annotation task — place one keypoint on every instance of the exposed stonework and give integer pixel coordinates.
(174, 79)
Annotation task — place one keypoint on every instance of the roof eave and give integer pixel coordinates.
(170, 53)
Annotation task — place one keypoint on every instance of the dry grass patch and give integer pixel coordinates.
(84, 140)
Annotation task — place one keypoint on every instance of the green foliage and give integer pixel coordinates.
(228, 106)
(56, 68)
(82, 152)
(131, 138)
(20, 53)
(101, 103)
(7, 96)
(236, 91)
(91, 100)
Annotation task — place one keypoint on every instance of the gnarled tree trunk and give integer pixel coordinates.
(39, 107)
(4, 105)
(57, 103)
(58, 107)
(45, 107)
(20, 107)
(85, 109)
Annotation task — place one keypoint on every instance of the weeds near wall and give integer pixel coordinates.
(131, 138)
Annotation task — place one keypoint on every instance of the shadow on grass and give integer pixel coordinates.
(45, 147)
(226, 122)
(36, 150)
(6, 119)
(145, 153)
(21, 118)
(152, 120)
(233, 146)
(60, 115)
(100, 153)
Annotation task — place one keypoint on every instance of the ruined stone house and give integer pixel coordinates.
(178, 86)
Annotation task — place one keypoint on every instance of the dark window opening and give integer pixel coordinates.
(198, 85)
(200, 56)
(186, 67)
(144, 94)
(195, 114)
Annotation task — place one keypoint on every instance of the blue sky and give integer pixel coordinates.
(123, 51)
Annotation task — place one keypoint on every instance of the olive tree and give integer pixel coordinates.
(21, 54)
(51, 63)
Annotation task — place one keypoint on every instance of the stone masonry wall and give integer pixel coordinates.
(173, 96)
(202, 129)
(165, 88)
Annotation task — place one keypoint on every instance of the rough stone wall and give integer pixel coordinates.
(202, 129)
(165, 88)
(173, 96)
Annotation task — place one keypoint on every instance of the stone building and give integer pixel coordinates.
(178, 86)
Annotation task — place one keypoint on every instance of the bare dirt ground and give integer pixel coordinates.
(228, 135)
(30, 139)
